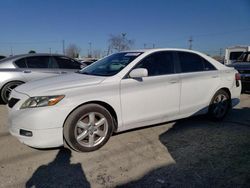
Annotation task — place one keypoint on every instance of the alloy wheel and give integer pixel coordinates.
(91, 129)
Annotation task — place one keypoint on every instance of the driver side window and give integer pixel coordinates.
(160, 63)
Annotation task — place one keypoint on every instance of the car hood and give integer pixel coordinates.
(241, 65)
(58, 83)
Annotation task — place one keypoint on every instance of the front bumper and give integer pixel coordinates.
(46, 138)
(45, 123)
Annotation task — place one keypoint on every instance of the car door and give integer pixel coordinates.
(199, 81)
(38, 67)
(67, 65)
(151, 99)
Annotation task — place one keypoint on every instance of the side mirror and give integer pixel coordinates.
(138, 73)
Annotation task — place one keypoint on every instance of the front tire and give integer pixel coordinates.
(219, 105)
(7, 88)
(88, 128)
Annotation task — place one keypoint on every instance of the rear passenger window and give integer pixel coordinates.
(190, 62)
(21, 63)
(159, 63)
(208, 66)
(38, 62)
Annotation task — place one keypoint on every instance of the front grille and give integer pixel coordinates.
(12, 102)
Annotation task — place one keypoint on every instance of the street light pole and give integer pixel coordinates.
(190, 43)
(63, 47)
(90, 49)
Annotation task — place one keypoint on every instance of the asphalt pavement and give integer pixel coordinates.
(192, 152)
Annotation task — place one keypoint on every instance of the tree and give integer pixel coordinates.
(73, 51)
(120, 42)
(32, 52)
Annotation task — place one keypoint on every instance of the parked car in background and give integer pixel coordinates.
(19, 69)
(2, 57)
(242, 64)
(233, 53)
(122, 91)
(89, 61)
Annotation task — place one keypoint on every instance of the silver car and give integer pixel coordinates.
(19, 69)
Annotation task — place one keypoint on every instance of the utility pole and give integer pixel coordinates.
(50, 51)
(144, 45)
(90, 49)
(220, 52)
(153, 45)
(11, 51)
(190, 43)
(63, 47)
(123, 44)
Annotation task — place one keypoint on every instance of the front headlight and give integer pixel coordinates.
(34, 102)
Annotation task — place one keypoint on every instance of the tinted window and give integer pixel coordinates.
(208, 66)
(38, 62)
(158, 63)
(21, 63)
(66, 63)
(190, 62)
(235, 55)
(245, 57)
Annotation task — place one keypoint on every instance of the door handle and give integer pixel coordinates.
(26, 71)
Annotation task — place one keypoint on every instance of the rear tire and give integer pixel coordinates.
(6, 90)
(88, 128)
(219, 105)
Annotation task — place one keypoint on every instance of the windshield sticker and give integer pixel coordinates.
(132, 54)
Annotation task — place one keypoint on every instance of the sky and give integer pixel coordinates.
(42, 25)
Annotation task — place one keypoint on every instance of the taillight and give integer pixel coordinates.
(237, 76)
(237, 79)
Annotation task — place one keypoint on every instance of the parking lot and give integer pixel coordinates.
(192, 152)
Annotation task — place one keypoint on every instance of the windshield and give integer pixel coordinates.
(110, 65)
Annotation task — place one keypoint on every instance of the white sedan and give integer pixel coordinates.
(123, 91)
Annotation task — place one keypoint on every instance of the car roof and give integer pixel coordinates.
(27, 55)
(160, 49)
